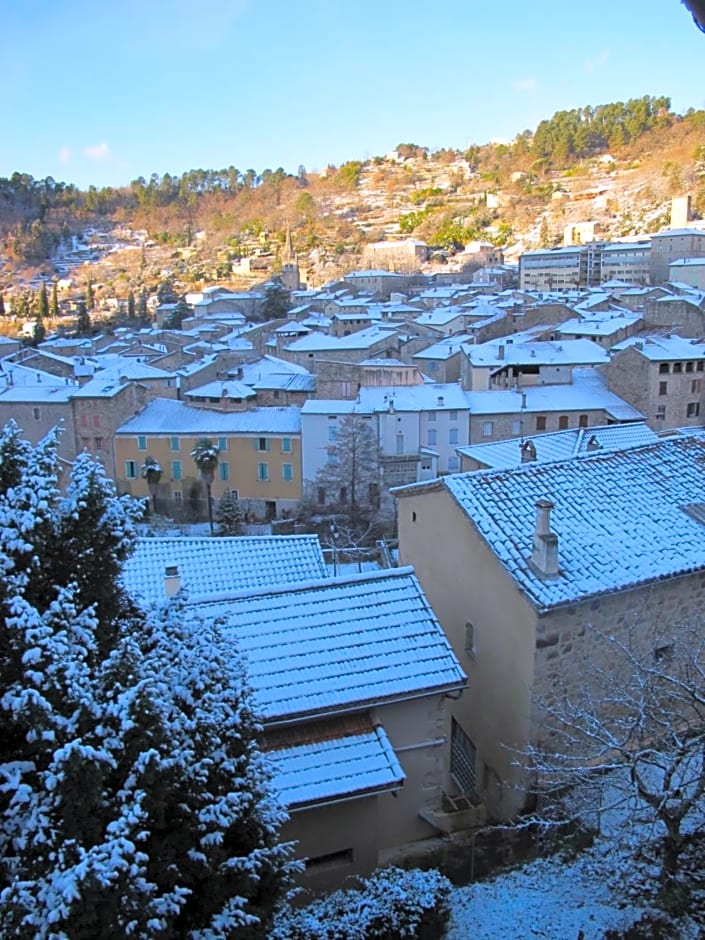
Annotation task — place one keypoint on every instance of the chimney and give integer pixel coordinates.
(544, 555)
(528, 451)
(593, 444)
(440, 401)
(172, 580)
(500, 351)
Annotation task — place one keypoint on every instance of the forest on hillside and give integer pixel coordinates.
(236, 206)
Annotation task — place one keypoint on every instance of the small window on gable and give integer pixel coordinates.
(36, 414)
(469, 640)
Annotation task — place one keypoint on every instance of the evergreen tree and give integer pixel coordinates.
(131, 305)
(54, 307)
(134, 801)
(2, 306)
(229, 515)
(277, 300)
(83, 320)
(90, 297)
(43, 302)
(39, 332)
(176, 318)
(142, 313)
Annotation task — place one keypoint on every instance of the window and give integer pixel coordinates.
(141, 442)
(321, 494)
(693, 409)
(287, 472)
(175, 469)
(343, 495)
(699, 366)
(36, 413)
(677, 366)
(432, 416)
(469, 640)
(540, 422)
(332, 429)
(222, 445)
(262, 444)
(463, 758)
(453, 436)
(661, 412)
(663, 368)
(178, 497)
(563, 422)
(174, 443)
(224, 471)
(453, 416)
(400, 443)
(663, 388)
(99, 443)
(130, 470)
(432, 436)
(84, 421)
(516, 428)
(454, 464)
(286, 445)
(263, 472)
(96, 421)
(487, 428)
(689, 366)
(696, 385)
(583, 421)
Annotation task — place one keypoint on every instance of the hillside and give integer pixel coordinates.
(616, 165)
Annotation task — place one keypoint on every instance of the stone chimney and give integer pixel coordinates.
(593, 444)
(172, 580)
(528, 451)
(500, 351)
(544, 556)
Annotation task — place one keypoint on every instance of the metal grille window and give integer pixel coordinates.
(462, 759)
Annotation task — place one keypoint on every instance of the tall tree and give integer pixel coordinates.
(131, 305)
(90, 297)
(83, 320)
(350, 480)
(54, 305)
(43, 302)
(205, 455)
(142, 312)
(134, 800)
(151, 471)
(277, 300)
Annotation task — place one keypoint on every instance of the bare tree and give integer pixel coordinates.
(350, 480)
(629, 739)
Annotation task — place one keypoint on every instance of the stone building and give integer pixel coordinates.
(526, 567)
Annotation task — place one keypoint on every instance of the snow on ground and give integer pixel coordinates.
(548, 898)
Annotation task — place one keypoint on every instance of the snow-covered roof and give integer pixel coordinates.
(598, 326)
(429, 397)
(208, 566)
(561, 445)
(665, 348)
(621, 518)
(587, 390)
(221, 388)
(338, 644)
(330, 764)
(500, 353)
(166, 416)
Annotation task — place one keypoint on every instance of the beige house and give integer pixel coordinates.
(351, 677)
(259, 457)
(523, 566)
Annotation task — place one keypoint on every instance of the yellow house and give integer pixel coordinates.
(259, 458)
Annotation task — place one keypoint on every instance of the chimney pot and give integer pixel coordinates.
(172, 580)
(544, 556)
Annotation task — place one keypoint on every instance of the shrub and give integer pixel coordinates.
(388, 905)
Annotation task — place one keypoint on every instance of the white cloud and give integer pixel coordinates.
(97, 152)
(64, 154)
(592, 65)
(526, 84)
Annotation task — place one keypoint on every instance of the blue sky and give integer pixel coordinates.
(103, 93)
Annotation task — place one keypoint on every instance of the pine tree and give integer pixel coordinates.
(131, 305)
(54, 307)
(229, 515)
(90, 297)
(2, 306)
(83, 320)
(142, 313)
(134, 800)
(43, 302)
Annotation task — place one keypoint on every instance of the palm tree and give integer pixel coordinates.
(151, 471)
(205, 454)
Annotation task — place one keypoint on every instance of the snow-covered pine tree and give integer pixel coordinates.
(229, 515)
(133, 800)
